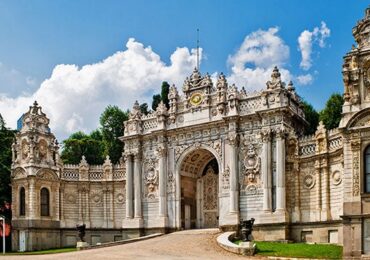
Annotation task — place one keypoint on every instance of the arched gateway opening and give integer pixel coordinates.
(199, 190)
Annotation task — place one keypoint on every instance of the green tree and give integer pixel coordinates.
(332, 112)
(111, 121)
(80, 144)
(6, 140)
(312, 117)
(156, 101)
(144, 108)
(164, 93)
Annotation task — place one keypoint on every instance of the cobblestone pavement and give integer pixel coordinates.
(189, 244)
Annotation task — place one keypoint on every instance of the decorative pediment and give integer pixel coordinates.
(18, 173)
(360, 119)
(46, 174)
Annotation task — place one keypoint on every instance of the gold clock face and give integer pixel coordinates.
(196, 99)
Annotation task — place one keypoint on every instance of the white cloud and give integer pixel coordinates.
(252, 64)
(306, 41)
(74, 97)
(304, 79)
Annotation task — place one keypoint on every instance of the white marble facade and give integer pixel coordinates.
(218, 154)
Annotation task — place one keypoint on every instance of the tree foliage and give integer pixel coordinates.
(144, 108)
(112, 128)
(312, 117)
(6, 140)
(332, 112)
(165, 89)
(80, 144)
(156, 101)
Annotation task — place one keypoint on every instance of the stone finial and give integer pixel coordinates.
(321, 138)
(135, 113)
(195, 77)
(83, 161)
(290, 87)
(34, 109)
(107, 161)
(275, 81)
(172, 94)
(161, 109)
(221, 82)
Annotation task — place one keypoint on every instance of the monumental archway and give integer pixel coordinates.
(199, 182)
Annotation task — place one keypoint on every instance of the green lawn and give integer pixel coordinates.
(298, 250)
(43, 252)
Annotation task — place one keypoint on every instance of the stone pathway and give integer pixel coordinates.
(189, 244)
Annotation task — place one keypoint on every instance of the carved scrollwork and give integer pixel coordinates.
(226, 179)
(170, 183)
(151, 179)
(309, 181)
(252, 163)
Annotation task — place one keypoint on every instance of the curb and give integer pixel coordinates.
(122, 242)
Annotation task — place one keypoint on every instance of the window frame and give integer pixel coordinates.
(22, 202)
(44, 202)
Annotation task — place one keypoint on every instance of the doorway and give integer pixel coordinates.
(199, 190)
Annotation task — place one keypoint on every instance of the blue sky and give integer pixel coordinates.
(38, 37)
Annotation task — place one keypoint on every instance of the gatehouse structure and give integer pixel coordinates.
(216, 155)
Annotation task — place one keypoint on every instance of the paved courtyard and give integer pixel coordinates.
(190, 244)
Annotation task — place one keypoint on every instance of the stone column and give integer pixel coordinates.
(87, 206)
(280, 171)
(57, 203)
(61, 194)
(31, 198)
(234, 194)
(79, 206)
(266, 170)
(199, 201)
(162, 180)
(178, 199)
(318, 190)
(111, 205)
(325, 213)
(137, 185)
(105, 207)
(129, 187)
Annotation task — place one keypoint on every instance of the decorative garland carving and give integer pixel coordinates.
(356, 175)
(252, 163)
(151, 179)
(226, 179)
(170, 183)
(210, 190)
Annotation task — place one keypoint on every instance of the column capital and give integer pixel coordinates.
(137, 156)
(161, 150)
(233, 138)
(281, 132)
(265, 135)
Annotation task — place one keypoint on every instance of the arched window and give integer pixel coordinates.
(367, 169)
(22, 202)
(45, 202)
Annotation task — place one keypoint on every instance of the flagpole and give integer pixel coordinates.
(198, 50)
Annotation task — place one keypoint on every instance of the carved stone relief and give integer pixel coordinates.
(151, 179)
(309, 181)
